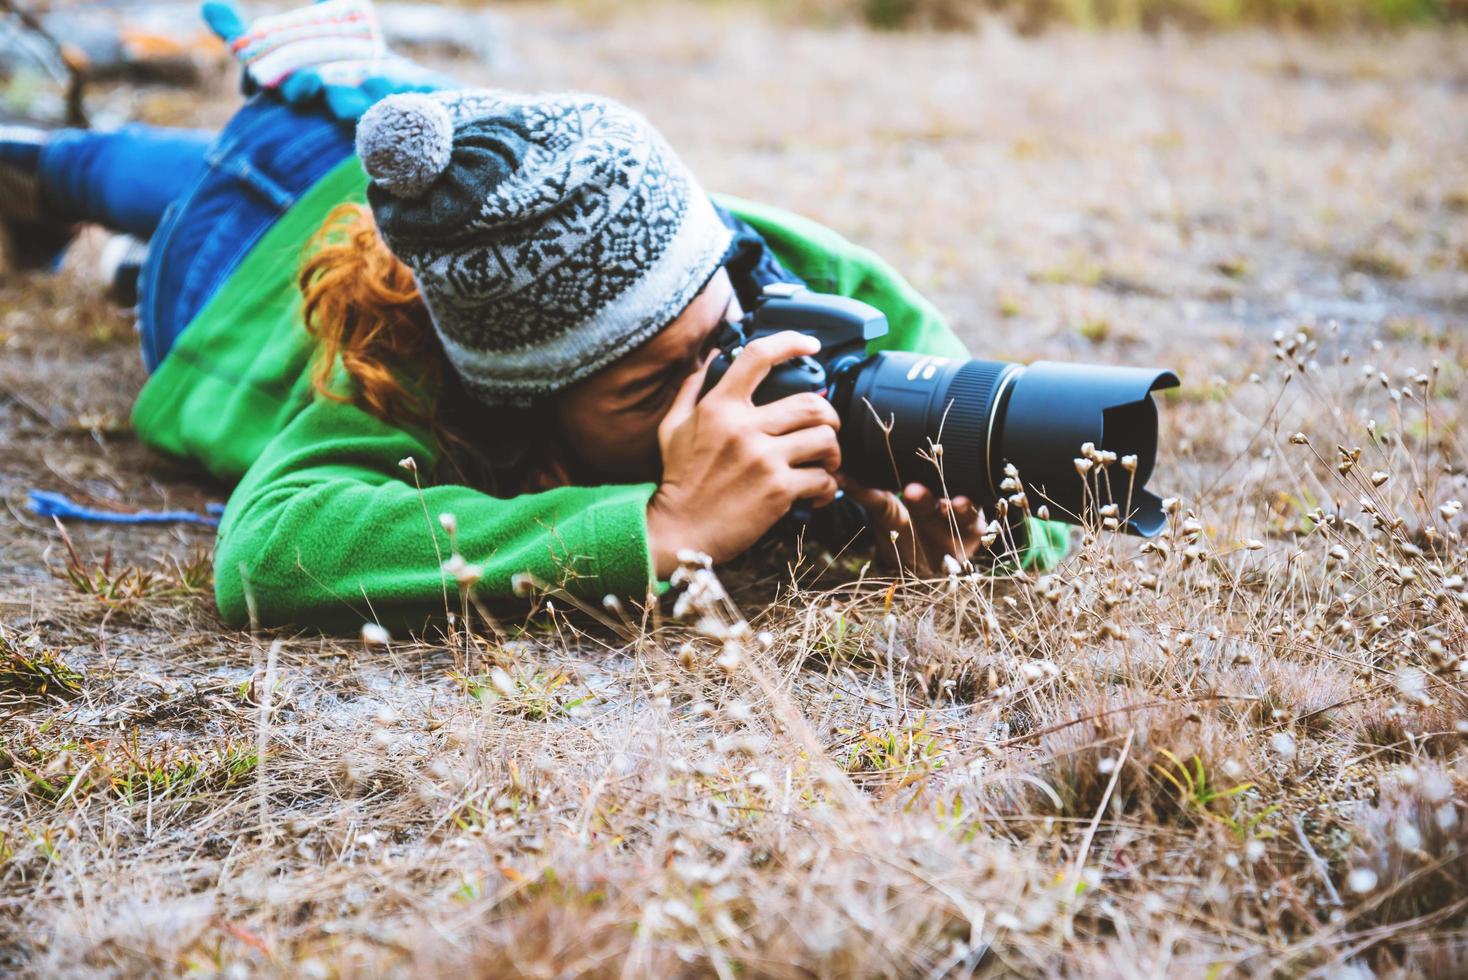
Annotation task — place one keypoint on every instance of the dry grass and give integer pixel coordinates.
(1235, 751)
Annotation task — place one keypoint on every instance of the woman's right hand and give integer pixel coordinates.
(731, 468)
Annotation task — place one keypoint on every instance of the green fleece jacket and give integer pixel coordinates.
(327, 529)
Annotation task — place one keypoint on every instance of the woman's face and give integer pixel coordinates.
(609, 422)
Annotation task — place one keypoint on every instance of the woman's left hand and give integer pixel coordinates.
(927, 527)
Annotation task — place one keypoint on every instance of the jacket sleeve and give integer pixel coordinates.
(327, 529)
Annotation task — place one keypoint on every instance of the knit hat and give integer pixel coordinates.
(549, 235)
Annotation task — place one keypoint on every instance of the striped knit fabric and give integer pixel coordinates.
(276, 46)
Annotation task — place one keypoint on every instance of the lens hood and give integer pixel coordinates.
(1051, 409)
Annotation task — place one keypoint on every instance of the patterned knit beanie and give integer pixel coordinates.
(549, 235)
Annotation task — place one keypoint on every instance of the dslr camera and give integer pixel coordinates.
(953, 425)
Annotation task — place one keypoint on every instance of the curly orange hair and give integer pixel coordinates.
(362, 305)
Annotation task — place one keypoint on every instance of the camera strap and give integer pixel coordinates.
(750, 261)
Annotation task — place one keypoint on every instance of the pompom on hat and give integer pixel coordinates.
(549, 235)
(407, 144)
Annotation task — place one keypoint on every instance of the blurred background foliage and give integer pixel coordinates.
(1035, 15)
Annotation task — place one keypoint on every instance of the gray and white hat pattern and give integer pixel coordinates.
(549, 235)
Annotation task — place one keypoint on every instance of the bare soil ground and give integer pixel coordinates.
(1237, 752)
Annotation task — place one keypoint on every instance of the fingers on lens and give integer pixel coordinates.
(799, 411)
(919, 499)
(816, 444)
(964, 510)
(808, 483)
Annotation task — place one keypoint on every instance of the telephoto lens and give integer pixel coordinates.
(953, 425)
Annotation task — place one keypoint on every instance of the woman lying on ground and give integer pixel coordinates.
(498, 355)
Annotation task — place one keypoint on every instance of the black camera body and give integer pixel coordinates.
(953, 424)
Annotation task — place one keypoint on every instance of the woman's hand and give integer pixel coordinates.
(927, 527)
(731, 468)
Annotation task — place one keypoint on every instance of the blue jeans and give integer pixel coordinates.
(124, 180)
(204, 201)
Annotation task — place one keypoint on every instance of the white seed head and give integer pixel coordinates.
(502, 682)
(449, 522)
(728, 660)
(738, 745)
(694, 558)
(1446, 817)
(1361, 880)
(1436, 787)
(1411, 682)
(1283, 745)
(375, 635)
